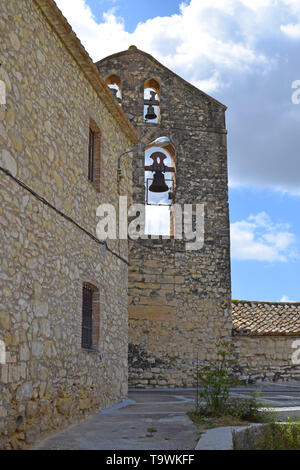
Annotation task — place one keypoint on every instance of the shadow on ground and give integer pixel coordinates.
(155, 420)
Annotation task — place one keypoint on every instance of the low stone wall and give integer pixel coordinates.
(269, 358)
(248, 438)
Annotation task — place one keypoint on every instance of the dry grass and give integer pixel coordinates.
(204, 423)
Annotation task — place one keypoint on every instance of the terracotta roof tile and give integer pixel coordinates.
(265, 318)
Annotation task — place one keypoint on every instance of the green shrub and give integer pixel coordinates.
(215, 379)
(250, 409)
(273, 436)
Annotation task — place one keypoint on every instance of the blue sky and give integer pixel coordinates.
(133, 12)
(245, 53)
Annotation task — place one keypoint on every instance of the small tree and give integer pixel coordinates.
(215, 379)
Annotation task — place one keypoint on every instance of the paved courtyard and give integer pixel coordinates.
(156, 419)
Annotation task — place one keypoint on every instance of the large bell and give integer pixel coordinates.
(150, 113)
(158, 185)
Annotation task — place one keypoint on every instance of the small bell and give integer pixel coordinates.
(150, 113)
(158, 185)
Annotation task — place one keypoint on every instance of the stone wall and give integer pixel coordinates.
(179, 301)
(266, 336)
(47, 227)
(171, 326)
(267, 358)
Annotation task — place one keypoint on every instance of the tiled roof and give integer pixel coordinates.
(265, 318)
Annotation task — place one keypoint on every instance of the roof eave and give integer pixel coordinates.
(72, 43)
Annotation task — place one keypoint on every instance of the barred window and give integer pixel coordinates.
(87, 317)
(90, 328)
(94, 155)
(91, 155)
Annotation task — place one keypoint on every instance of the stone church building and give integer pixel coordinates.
(80, 317)
(179, 299)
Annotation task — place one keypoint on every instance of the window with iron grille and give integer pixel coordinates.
(91, 155)
(94, 164)
(87, 317)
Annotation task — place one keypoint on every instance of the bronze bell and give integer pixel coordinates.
(158, 185)
(150, 113)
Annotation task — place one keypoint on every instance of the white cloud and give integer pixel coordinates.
(294, 5)
(292, 30)
(285, 298)
(208, 84)
(258, 238)
(199, 32)
(243, 52)
(99, 39)
(257, 5)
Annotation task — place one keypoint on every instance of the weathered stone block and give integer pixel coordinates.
(24, 391)
(5, 320)
(32, 435)
(40, 309)
(24, 352)
(84, 403)
(32, 409)
(64, 405)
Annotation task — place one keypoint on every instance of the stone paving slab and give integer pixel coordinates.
(107, 432)
(128, 427)
(218, 438)
(125, 427)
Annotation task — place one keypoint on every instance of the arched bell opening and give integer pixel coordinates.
(160, 182)
(114, 83)
(152, 101)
